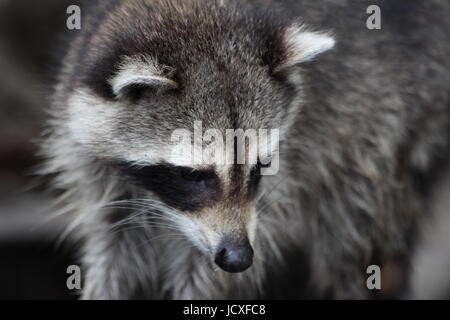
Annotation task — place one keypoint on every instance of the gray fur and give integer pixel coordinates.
(359, 126)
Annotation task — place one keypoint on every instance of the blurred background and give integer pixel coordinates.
(32, 264)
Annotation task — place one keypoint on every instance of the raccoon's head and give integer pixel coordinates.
(198, 67)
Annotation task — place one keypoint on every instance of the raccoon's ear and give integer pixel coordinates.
(138, 73)
(300, 45)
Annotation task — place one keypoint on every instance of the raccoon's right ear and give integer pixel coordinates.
(138, 73)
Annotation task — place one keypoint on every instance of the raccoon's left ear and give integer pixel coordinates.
(141, 72)
(300, 45)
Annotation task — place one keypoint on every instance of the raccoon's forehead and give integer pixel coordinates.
(108, 130)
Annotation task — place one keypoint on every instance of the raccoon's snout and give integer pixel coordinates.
(233, 256)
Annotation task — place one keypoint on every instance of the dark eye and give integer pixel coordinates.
(192, 175)
(255, 175)
(199, 180)
(181, 187)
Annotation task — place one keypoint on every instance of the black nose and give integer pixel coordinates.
(234, 256)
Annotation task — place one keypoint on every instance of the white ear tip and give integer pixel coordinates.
(302, 45)
(318, 42)
(328, 42)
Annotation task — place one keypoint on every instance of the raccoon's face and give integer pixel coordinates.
(131, 105)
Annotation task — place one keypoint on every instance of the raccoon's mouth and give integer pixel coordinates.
(234, 257)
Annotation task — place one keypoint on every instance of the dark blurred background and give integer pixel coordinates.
(32, 263)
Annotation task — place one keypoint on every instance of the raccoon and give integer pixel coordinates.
(363, 120)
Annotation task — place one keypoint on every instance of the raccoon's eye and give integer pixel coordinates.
(181, 187)
(199, 180)
(192, 175)
(255, 175)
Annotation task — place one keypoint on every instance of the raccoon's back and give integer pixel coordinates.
(390, 86)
